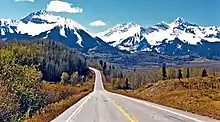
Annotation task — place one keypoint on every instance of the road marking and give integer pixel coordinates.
(145, 102)
(182, 115)
(79, 108)
(130, 117)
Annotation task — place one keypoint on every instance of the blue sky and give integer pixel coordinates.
(112, 12)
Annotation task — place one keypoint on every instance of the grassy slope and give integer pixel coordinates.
(197, 95)
(54, 109)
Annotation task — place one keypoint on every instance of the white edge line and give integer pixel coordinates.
(79, 108)
(144, 102)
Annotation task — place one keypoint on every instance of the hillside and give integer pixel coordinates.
(39, 73)
(48, 26)
(197, 95)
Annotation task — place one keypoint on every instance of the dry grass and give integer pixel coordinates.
(57, 92)
(60, 97)
(53, 110)
(196, 95)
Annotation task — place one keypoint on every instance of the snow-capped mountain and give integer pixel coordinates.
(127, 36)
(176, 38)
(180, 34)
(41, 24)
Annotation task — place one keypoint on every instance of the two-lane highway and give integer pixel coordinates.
(103, 106)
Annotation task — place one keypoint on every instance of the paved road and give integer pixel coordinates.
(103, 106)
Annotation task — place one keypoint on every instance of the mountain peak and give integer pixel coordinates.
(125, 26)
(162, 25)
(179, 20)
(39, 17)
(41, 12)
(131, 23)
(44, 17)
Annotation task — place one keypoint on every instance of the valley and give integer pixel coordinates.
(109, 61)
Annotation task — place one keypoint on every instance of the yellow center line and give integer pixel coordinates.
(130, 117)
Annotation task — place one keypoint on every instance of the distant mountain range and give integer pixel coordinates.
(177, 38)
(41, 24)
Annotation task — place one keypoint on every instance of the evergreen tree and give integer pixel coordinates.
(120, 75)
(104, 68)
(204, 73)
(179, 74)
(85, 61)
(187, 73)
(134, 70)
(164, 73)
(110, 67)
(126, 83)
(101, 63)
(213, 71)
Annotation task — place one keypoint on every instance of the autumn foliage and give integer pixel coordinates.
(199, 95)
(30, 75)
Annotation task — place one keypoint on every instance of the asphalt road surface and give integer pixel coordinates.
(103, 106)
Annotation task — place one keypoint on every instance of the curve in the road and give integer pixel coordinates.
(103, 106)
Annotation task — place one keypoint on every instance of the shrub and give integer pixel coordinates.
(180, 74)
(164, 73)
(74, 78)
(9, 103)
(30, 102)
(64, 77)
(204, 73)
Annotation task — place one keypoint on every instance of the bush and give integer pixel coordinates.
(57, 92)
(204, 73)
(74, 78)
(9, 103)
(30, 102)
(65, 77)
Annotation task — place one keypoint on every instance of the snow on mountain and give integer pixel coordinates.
(120, 31)
(43, 21)
(44, 18)
(176, 38)
(41, 24)
(154, 36)
(188, 33)
(127, 36)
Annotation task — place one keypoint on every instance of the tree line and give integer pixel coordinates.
(58, 59)
(188, 72)
(23, 67)
(134, 78)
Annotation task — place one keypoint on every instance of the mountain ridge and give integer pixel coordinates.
(157, 34)
(176, 38)
(42, 24)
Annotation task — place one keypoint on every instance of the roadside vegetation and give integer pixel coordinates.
(60, 97)
(38, 77)
(196, 90)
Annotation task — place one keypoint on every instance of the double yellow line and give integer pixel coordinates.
(130, 117)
